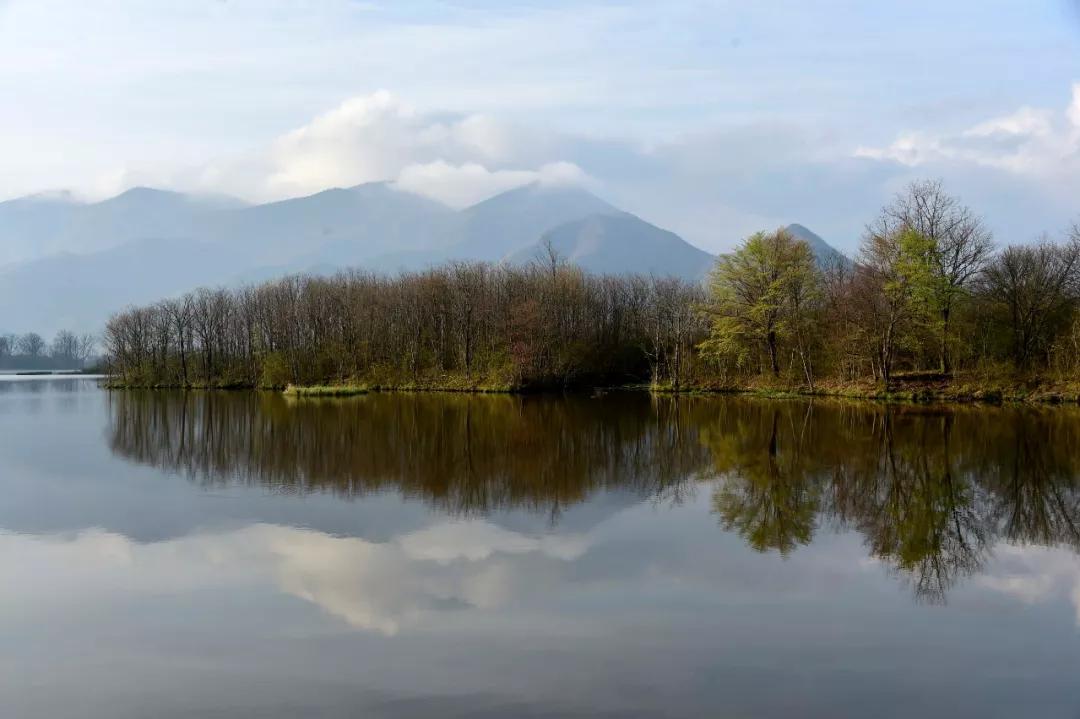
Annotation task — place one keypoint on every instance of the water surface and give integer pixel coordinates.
(240, 554)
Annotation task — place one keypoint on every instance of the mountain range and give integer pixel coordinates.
(66, 264)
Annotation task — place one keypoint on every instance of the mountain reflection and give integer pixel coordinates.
(930, 490)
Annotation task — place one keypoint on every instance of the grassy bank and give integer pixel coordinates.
(907, 387)
(337, 390)
(391, 381)
(376, 381)
(120, 383)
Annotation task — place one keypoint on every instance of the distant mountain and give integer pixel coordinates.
(500, 226)
(515, 219)
(621, 243)
(30, 226)
(826, 254)
(43, 225)
(79, 292)
(82, 262)
(338, 226)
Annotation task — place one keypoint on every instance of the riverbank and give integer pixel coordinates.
(911, 387)
(349, 390)
(480, 384)
(921, 387)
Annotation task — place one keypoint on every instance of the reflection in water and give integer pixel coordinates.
(931, 490)
(464, 454)
(561, 557)
(376, 586)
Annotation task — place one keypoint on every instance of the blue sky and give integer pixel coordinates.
(710, 118)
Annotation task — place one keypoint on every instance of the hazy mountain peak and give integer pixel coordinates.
(536, 192)
(825, 253)
(619, 242)
(142, 196)
(514, 219)
(146, 191)
(373, 186)
(65, 197)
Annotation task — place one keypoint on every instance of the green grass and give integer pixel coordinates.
(907, 387)
(337, 390)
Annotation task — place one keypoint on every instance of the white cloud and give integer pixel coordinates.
(1035, 142)
(459, 185)
(362, 140)
(456, 159)
(469, 183)
(712, 188)
(562, 174)
(1074, 108)
(1025, 121)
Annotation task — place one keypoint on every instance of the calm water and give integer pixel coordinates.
(241, 555)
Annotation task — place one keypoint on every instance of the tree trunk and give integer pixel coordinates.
(774, 364)
(946, 361)
(678, 362)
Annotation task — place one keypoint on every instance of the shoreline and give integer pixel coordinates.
(907, 391)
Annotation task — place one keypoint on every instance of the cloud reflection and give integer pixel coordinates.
(1036, 575)
(382, 587)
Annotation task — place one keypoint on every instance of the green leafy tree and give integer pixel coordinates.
(958, 247)
(899, 293)
(761, 295)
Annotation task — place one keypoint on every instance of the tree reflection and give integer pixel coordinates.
(924, 520)
(768, 496)
(931, 490)
(464, 454)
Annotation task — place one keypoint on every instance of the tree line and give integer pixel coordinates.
(927, 293)
(31, 351)
(466, 324)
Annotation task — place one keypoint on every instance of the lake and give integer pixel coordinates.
(392, 555)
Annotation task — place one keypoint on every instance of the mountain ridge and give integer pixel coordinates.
(156, 243)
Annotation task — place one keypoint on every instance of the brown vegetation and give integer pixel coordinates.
(468, 326)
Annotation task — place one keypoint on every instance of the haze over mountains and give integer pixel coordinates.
(64, 264)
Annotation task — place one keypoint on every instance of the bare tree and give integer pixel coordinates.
(31, 345)
(84, 349)
(1037, 287)
(961, 246)
(64, 347)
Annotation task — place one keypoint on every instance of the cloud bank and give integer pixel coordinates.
(1022, 169)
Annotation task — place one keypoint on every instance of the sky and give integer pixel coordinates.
(712, 119)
